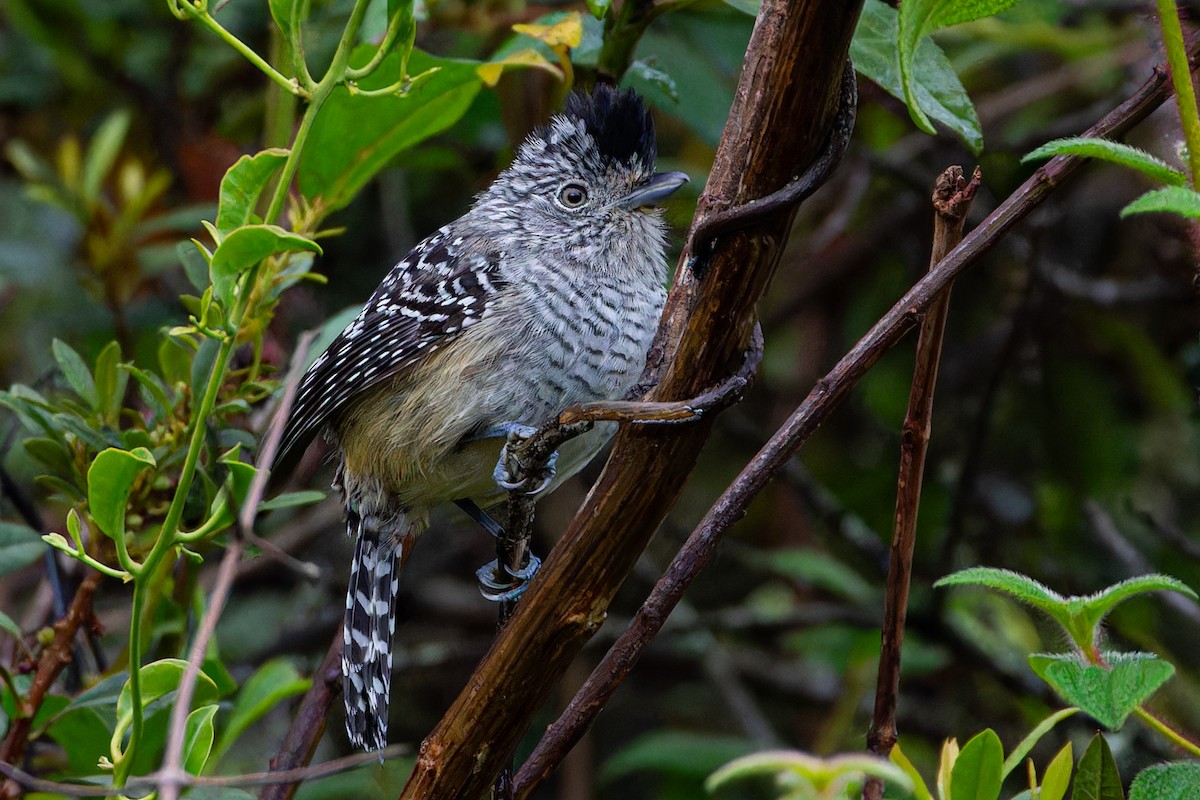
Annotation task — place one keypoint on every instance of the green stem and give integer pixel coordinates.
(403, 18)
(1181, 77)
(1173, 736)
(247, 52)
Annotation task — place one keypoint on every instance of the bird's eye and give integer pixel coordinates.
(573, 195)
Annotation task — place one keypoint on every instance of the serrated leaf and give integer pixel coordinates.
(977, 770)
(1058, 775)
(1115, 152)
(1021, 750)
(1107, 694)
(271, 684)
(102, 154)
(354, 137)
(936, 86)
(20, 546)
(1173, 199)
(244, 247)
(1097, 606)
(1097, 777)
(1178, 781)
(243, 184)
(110, 480)
(75, 370)
(918, 19)
(198, 737)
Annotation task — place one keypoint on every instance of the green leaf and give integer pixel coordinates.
(241, 474)
(158, 679)
(286, 16)
(933, 81)
(1178, 781)
(682, 754)
(1058, 775)
(20, 546)
(110, 381)
(807, 775)
(1019, 586)
(977, 770)
(641, 71)
(243, 184)
(292, 499)
(599, 8)
(354, 137)
(1021, 750)
(1097, 777)
(83, 735)
(1116, 152)
(244, 247)
(1107, 694)
(1097, 606)
(920, 789)
(102, 154)
(820, 570)
(9, 626)
(274, 682)
(1173, 199)
(110, 480)
(918, 19)
(198, 738)
(75, 371)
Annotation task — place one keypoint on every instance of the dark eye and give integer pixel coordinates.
(573, 195)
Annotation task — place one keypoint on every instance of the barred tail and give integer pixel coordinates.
(368, 631)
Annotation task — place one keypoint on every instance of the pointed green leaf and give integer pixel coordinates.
(243, 184)
(274, 682)
(198, 738)
(1178, 781)
(110, 480)
(1097, 777)
(918, 19)
(20, 546)
(936, 86)
(599, 8)
(1116, 152)
(1057, 779)
(158, 679)
(75, 371)
(10, 626)
(1173, 199)
(1020, 751)
(1107, 694)
(110, 381)
(976, 773)
(920, 788)
(292, 499)
(354, 137)
(241, 474)
(1097, 606)
(1019, 586)
(102, 154)
(244, 247)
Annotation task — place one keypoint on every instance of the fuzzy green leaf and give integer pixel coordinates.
(1116, 152)
(243, 184)
(1173, 199)
(918, 19)
(110, 480)
(1097, 777)
(1097, 606)
(933, 81)
(1019, 586)
(977, 770)
(1178, 781)
(1107, 694)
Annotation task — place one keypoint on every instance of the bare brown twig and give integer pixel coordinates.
(952, 198)
(172, 777)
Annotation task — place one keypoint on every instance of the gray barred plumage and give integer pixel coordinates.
(545, 294)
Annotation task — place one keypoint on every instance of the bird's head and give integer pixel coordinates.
(585, 181)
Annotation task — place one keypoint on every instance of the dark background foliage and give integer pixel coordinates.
(1064, 436)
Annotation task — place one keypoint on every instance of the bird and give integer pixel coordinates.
(546, 293)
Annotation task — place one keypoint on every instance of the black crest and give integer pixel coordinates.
(617, 120)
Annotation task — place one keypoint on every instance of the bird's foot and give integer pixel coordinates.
(502, 584)
(509, 468)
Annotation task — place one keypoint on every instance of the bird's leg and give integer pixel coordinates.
(513, 473)
(506, 577)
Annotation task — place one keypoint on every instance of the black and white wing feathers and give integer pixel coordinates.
(440, 288)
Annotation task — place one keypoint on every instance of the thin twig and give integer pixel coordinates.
(952, 198)
(829, 391)
(172, 776)
(322, 770)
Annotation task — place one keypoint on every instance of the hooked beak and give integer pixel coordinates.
(661, 186)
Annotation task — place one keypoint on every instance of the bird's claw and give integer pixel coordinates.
(496, 589)
(505, 477)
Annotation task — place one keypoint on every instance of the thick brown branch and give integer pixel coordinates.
(952, 198)
(786, 98)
